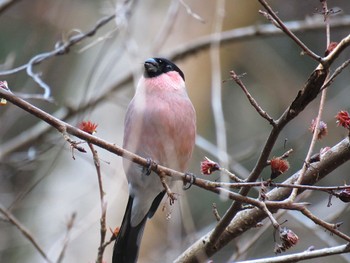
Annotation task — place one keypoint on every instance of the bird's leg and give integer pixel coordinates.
(190, 181)
(168, 191)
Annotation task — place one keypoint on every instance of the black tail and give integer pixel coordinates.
(126, 246)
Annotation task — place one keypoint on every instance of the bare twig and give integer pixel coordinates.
(331, 79)
(289, 33)
(24, 231)
(216, 94)
(60, 49)
(318, 253)
(231, 175)
(191, 12)
(320, 109)
(252, 101)
(103, 228)
(216, 212)
(167, 26)
(70, 224)
(330, 227)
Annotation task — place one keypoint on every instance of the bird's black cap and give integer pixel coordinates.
(154, 67)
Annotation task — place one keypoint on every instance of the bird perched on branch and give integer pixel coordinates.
(160, 125)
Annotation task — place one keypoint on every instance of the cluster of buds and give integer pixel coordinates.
(278, 166)
(344, 195)
(321, 130)
(88, 126)
(330, 48)
(288, 239)
(343, 119)
(208, 166)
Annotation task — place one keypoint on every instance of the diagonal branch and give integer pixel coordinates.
(24, 231)
(288, 32)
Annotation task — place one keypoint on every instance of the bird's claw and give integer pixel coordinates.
(148, 169)
(187, 185)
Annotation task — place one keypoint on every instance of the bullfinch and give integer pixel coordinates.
(160, 125)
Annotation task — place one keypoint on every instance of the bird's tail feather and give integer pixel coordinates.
(126, 246)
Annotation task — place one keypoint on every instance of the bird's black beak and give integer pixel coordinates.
(151, 66)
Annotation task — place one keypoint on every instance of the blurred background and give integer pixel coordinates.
(43, 185)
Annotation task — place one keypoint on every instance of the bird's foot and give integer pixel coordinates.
(148, 169)
(189, 180)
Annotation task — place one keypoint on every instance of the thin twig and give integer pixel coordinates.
(24, 231)
(103, 228)
(70, 224)
(331, 79)
(167, 26)
(252, 101)
(216, 92)
(319, 253)
(320, 110)
(330, 227)
(60, 49)
(289, 33)
(191, 12)
(274, 222)
(231, 175)
(215, 212)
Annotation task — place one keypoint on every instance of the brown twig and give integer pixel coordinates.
(288, 32)
(60, 49)
(296, 257)
(252, 101)
(330, 227)
(216, 212)
(231, 175)
(320, 109)
(103, 203)
(331, 79)
(24, 231)
(70, 224)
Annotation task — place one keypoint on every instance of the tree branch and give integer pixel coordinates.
(303, 255)
(24, 231)
(247, 219)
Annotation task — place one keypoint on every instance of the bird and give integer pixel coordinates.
(159, 125)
